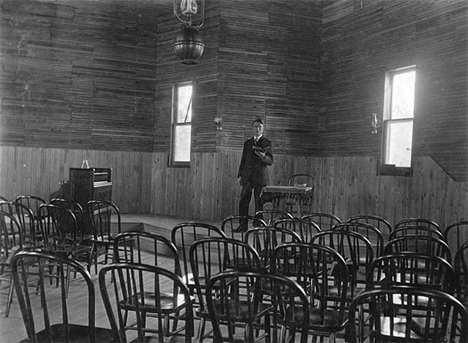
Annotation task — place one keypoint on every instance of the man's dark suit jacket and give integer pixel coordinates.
(252, 166)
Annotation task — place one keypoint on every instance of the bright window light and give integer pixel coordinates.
(181, 123)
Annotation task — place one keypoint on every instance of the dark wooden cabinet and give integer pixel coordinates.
(90, 184)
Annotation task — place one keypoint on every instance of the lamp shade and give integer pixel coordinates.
(188, 45)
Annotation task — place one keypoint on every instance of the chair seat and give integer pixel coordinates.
(399, 329)
(147, 301)
(77, 334)
(329, 320)
(239, 311)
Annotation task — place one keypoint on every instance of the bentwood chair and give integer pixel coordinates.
(417, 222)
(140, 291)
(357, 251)
(378, 222)
(142, 247)
(105, 221)
(182, 236)
(456, 234)
(325, 221)
(239, 311)
(47, 311)
(411, 269)
(210, 256)
(232, 228)
(323, 274)
(419, 244)
(304, 228)
(11, 241)
(380, 316)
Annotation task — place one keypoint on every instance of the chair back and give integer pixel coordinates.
(182, 236)
(378, 222)
(323, 274)
(301, 180)
(418, 222)
(104, 218)
(143, 247)
(390, 315)
(416, 230)
(32, 202)
(270, 216)
(306, 229)
(210, 256)
(59, 228)
(46, 309)
(456, 234)
(373, 234)
(411, 269)
(239, 311)
(265, 239)
(11, 238)
(355, 249)
(460, 267)
(234, 226)
(426, 245)
(325, 221)
(26, 220)
(77, 210)
(142, 290)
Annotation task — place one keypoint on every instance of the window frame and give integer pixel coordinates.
(175, 124)
(391, 169)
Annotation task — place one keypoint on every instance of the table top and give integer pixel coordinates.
(287, 189)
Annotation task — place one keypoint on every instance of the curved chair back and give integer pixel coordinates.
(373, 234)
(271, 216)
(326, 221)
(378, 222)
(456, 234)
(417, 222)
(419, 244)
(460, 267)
(415, 230)
(235, 226)
(306, 229)
(77, 210)
(32, 202)
(26, 219)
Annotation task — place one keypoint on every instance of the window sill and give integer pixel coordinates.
(391, 169)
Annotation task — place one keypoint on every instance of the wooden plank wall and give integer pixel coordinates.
(361, 40)
(77, 75)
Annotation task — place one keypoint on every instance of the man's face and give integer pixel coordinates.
(257, 129)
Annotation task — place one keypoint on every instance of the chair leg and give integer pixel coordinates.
(10, 299)
(201, 330)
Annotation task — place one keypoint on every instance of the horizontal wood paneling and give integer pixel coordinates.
(38, 171)
(209, 190)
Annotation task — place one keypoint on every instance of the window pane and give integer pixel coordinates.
(181, 146)
(184, 104)
(403, 95)
(399, 143)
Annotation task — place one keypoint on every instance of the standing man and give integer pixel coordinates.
(253, 173)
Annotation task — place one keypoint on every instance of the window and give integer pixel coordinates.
(181, 124)
(398, 116)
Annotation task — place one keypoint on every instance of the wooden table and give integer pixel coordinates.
(300, 194)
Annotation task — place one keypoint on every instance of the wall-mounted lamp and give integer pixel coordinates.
(375, 123)
(219, 123)
(188, 44)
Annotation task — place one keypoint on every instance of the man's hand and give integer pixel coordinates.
(260, 154)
